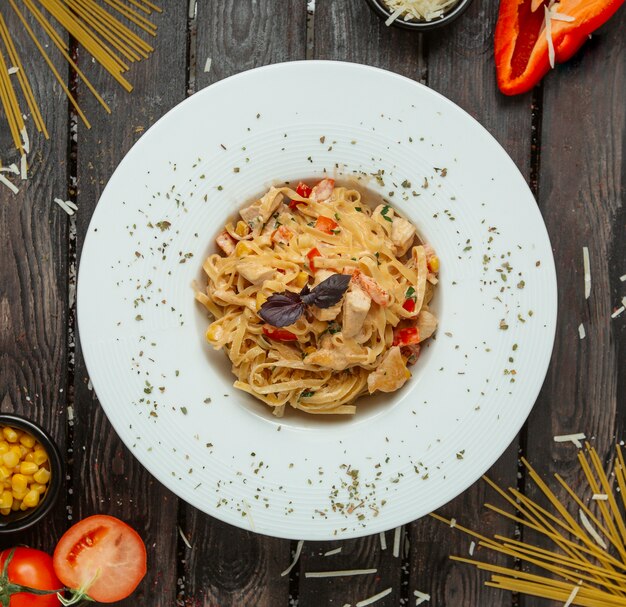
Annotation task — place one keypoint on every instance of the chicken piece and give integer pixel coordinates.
(427, 324)
(384, 215)
(337, 357)
(255, 273)
(226, 243)
(356, 305)
(323, 190)
(371, 287)
(402, 235)
(258, 213)
(390, 375)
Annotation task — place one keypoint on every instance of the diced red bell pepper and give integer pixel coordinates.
(302, 190)
(326, 224)
(406, 336)
(278, 334)
(409, 305)
(521, 46)
(311, 255)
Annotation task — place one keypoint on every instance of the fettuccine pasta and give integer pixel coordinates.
(291, 240)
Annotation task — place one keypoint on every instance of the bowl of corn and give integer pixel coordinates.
(31, 473)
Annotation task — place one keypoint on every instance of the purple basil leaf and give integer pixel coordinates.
(282, 309)
(328, 292)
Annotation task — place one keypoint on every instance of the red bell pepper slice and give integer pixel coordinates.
(409, 305)
(521, 45)
(406, 336)
(302, 190)
(326, 224)
(278, 334)
(311, 255)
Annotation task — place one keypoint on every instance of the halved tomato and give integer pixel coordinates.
(102, 556)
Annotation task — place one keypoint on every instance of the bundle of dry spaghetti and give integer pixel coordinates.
(109, 30)
(585, 561)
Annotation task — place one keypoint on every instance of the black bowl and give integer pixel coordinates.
(20, 520)
(380, 8)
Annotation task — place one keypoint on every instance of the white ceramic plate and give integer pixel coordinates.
(170, 397)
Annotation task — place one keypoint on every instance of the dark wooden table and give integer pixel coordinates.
(567, 137)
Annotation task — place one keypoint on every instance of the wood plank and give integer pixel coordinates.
(461, 67)
(228, 566)
(33, 275)
(111, 480)
(348, 31)
(581, 196)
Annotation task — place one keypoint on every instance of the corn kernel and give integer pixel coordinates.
(40, 456)
(433, 264)
(16, 505)
(29, 457)
(23, 451)
(5, 473)
(5, 511)
(4, 447)
(28, 468)
(27, 440)
(31, 499)
(10, 459)
(29, 479)
(242, 249)
(39, 488)
(6, 500)
(10, 434)
(19, 481)
(261, 298)
(301, 279)
(19, 493)
(42, 476)
(242, 228)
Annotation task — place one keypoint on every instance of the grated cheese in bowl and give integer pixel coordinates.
(417, 10)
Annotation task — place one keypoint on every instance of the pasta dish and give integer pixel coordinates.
(317, 298)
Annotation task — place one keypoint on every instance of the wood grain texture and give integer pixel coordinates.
(111, 480)
(228, 566)
(33, 274)
(461, 66)
(581, 195)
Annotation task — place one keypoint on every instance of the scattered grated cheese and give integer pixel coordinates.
(12, 168)
(397, 534)
(331, 552)
(600, 497)
(418, 10)
(592, 532)
(383, 540)
(23, 168)
(623, 277)
(295, 559)
(67, 205)
(207, 65)
(13, 70)
(548, 23)
(572, 596)
(184, 537)
(25, 140)
(587, 269)
(193, 9)
(422, 597)
(374, 599)
(581, 331)
(452, 523)
(471, 548)
(573, 438)
(8, 184)
(618, 312)
(347, 572)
